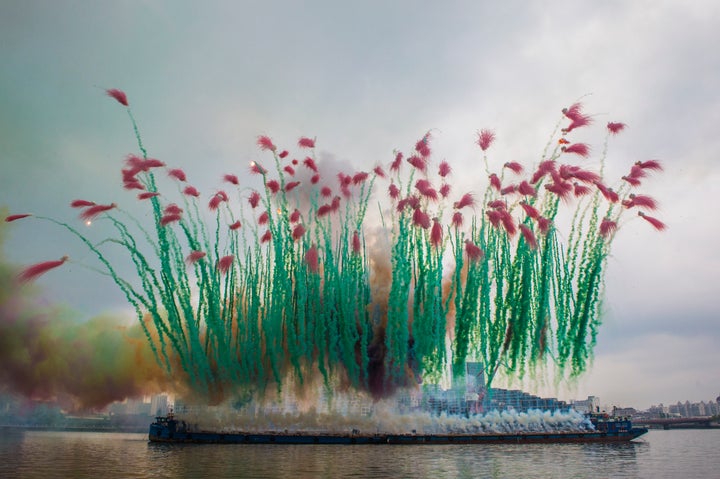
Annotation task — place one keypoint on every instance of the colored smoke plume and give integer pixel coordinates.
(46, 354)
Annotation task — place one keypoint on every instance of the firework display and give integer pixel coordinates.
(243, 288)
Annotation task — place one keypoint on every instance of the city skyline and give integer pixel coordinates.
(366, 80)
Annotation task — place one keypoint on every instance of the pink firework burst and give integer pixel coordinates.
(177, 173)
(94, 211)
(265, 143)
(11, 218)
(485, 139)
(33, 272)
(225, 263)
(118, 95)
(305, 142)
(615, 127)
(473, 252)
(195, 256)
(656, 223)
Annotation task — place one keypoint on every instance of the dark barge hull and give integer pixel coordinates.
(163, 433)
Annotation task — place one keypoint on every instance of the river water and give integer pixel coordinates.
(659, 454)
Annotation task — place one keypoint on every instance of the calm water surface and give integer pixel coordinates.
(682, 454)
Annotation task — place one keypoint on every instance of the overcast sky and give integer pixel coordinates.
(366, 78)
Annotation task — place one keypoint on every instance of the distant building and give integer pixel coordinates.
(591, 404)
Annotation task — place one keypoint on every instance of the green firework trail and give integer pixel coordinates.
(250, 288)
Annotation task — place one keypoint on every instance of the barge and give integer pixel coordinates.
(168, 429)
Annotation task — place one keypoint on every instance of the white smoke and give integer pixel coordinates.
(343, 414)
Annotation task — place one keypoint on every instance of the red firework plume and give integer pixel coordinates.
(637, 171)
(497, 204)
(312, 259)
(177, 173)
(508, 189)
(360, 177)
(530, 210)
(577, 122)
(525, 189)
(508, 222)
(473, 252)
(172, 209)
(315, 179)
(573, 111)
(194, 256)
(576, 116)
(292, 185)
(147, 194)
(543, 224)
(495, 182)
(298, 232)
(607, 228)
(263, 218)
(32, 272)
(305, 142)
(289, 170)
(191, 191)
(257, 169)
(378, 170)
(514, 166)
(82, 203)
(445, 190)
(457, 219)
(436, 234)
(631, 180)
(254, 199)
(393, 191)
(657, 224)
(466, 200)
(118, 95)
(529, 236)
(231, 179)
(326, 192)
(273, 186)
(310, 163)
(650, 165)
(215, 201)
(578, 148)
(444, 169)
(94, 211)
(493, 217)
(581, 190)
(265, 143)
(395, 165)
(417, 162)
(615, 127)
(562, 189)
(421, 219)
(608, 193)
(295, 216)
(11, 218)
(266, 237)
(356, 245)
(225, 263)
(236, 225)
(643, 201)
(170, 218)
(485, 139)
(422, 184)
(324, 210)
(283, 154)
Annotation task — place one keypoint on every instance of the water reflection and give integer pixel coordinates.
(48, 455)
